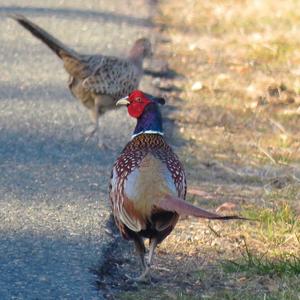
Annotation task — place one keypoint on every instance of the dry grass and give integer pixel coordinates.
(245, 59)
(238, 111)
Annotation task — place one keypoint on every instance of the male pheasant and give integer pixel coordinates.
(97, 81)
(148, 182)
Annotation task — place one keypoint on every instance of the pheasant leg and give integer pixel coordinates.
(95, 117)
(101, 104)
(153, 245)
(146, 274)
(141, 250)
(91, 132)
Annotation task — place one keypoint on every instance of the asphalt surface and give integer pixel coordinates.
(53, 185)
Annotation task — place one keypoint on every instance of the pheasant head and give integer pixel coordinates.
(141, 49)
(144, 108)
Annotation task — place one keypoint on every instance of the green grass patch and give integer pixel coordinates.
(281, 215)
(289, 293)
(283, 197)
(277, 51)
(279, 226)
(157, 293)
(285, 265)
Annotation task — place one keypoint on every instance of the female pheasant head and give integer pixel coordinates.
(141, 49)
(144, 108)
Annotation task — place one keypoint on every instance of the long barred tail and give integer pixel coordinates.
(171, 203)
(54, 44)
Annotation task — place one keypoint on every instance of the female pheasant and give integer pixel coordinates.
(148, 183)
(97, 81)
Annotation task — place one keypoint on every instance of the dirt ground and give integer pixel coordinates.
(232, 86)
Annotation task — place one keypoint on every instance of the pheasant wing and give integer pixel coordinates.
(77, 68)
(123, 211)
(111, 76)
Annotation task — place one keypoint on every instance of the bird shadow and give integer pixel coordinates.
(121, 264)
(12, 91)
(36, 163)
(165, 74)
(68, 13)
(114, 274)
(39, 265)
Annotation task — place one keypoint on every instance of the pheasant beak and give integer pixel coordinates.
(123, 101)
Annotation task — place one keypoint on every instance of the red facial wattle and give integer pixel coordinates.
(138, 102)
(135, 109)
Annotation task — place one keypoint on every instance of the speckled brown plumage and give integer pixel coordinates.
(97, 81)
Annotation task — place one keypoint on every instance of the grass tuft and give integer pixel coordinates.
(284, 265)
(277, 229)
(282, 214)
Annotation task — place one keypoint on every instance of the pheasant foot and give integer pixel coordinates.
(144, 277)
(90, 133)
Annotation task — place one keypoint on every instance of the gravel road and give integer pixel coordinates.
(53, 185)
